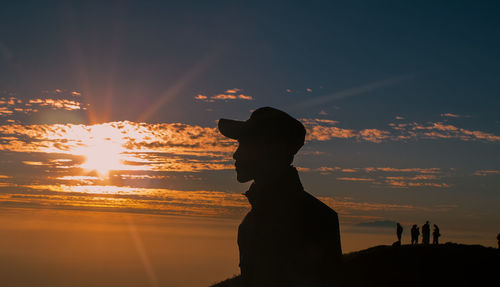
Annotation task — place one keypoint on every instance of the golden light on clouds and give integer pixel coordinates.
(229, 94)
(326, 130)
(168, 167)
(124, 145)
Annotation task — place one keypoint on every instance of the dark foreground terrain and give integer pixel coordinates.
(405, 266)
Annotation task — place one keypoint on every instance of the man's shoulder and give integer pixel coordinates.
(317, 206)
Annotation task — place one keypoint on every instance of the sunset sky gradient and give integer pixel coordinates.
(114, 106)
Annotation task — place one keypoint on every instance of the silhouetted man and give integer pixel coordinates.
(426, 233)
(289, 238)
(498, 239)
(435, 235)
(414, 234)
(399, 231)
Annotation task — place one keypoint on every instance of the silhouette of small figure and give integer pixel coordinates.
(415, 232)
(399, 231)
(498, 239)
(435, 235)
(426, 233)
(289, 237)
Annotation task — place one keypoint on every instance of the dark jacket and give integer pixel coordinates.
(289, 238)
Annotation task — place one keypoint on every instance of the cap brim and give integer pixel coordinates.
(231, 128)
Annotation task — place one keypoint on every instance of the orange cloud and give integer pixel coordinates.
(224, 97)
(230, 94)
(33, 163)
(432, 184)
(324, 133)
(417, 177)
(441, 131)
(233, 91)
(13, 105)
(393, 169)
(355, 179)
(374, 135)
(443, 127)
(5, 111)
(402, 183)
(243, 97)
(326, 168)
(11, 101)
(57, 103)
(450, 115)
(200, 97)
(318, 121)
(435, 135)
(479, 135)
(323, 130)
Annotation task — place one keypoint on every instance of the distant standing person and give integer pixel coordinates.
(435, 235)
(399, 231)
(498, 238)
(414, 234)
(426, 233)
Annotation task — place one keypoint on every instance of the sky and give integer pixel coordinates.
(113, 107)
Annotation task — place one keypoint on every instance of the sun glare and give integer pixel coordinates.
(102, 158)
(102, 150)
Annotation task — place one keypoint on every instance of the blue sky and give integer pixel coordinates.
(445, 54)
(400, 100)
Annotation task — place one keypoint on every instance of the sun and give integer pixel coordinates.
(103, 148)
(102, 158)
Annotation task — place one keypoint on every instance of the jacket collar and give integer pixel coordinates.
(261, 195)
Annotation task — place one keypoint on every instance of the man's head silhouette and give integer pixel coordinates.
(268, 140)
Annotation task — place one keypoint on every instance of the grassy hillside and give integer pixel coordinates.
(405, 266)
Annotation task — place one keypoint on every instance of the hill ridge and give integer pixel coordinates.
(449, 264)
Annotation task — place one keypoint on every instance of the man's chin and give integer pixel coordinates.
(243, 178)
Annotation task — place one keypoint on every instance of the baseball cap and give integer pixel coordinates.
(266, 123)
